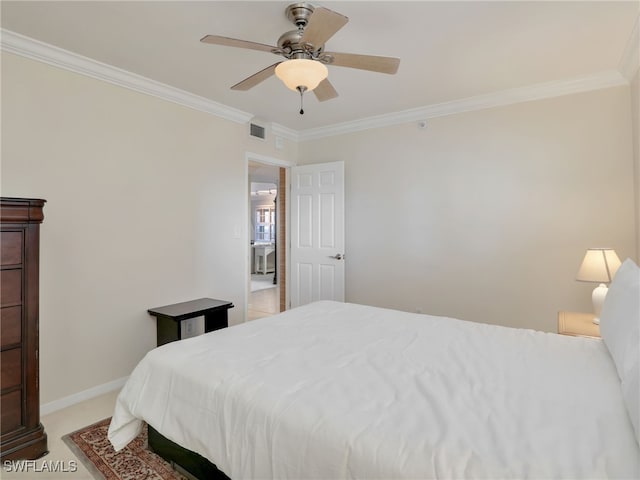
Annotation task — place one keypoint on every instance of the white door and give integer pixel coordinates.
(317, 233)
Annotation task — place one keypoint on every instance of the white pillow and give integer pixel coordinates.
(631, 395)
(620, 331)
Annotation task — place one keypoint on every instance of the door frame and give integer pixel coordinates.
(276, 162)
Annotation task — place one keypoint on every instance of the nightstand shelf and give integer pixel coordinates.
(577, 324)
(168, 318)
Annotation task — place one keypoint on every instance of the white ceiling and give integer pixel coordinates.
(449, 50)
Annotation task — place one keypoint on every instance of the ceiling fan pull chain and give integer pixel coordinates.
(301, 90)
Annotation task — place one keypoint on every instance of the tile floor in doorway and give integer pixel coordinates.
(264, 302)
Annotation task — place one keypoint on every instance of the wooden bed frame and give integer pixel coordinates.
(186, 461)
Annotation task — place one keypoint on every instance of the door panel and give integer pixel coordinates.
(305, 218)
(317, 233)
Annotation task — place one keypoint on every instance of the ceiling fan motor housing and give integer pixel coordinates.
(290, 43)
(291, 46)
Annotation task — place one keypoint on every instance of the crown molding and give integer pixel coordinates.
(285, 132)
(15, 43)
(606, 79)
(42, 52)
(630, 61)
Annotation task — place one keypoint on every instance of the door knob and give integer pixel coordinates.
(338, 256)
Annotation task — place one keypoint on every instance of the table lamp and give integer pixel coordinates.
(600, 266)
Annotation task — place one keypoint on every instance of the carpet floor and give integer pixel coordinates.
(134, 462)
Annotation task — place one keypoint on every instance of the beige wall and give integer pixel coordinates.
(482, 215)
(486, 215)
(144, 199)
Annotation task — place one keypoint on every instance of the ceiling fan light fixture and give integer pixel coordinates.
(301, 72)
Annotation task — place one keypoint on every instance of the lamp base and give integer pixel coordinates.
(597, 297)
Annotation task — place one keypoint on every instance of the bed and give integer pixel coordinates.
(335, 390)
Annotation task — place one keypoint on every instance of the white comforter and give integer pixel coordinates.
(337, 391)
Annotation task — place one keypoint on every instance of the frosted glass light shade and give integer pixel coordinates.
(599, 265)
(301, 72)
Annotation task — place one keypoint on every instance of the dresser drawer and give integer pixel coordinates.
(11, 284)
(11, 368)
(10, 325)
(11, 406)
(11, 251)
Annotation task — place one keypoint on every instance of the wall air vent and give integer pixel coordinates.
(257, 131)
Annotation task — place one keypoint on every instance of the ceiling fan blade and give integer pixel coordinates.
(234, 42)
(325, 91)
(323, 24)
(256, 78)
(365, 62)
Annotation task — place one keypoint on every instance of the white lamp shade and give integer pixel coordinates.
(599, 265)
(301, 72)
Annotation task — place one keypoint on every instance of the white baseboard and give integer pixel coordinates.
(47, 408)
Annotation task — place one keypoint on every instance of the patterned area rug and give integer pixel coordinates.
(134, 462)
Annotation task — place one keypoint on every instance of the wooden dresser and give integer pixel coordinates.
(22, 435)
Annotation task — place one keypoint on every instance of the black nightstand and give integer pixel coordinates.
(168, 318)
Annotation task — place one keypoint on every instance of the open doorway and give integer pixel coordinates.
(267, 234)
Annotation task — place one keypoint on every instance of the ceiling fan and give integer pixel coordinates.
(303, 49)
